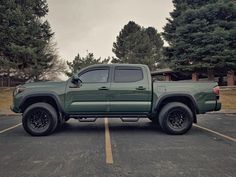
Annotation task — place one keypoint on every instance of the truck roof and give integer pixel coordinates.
(118, 64)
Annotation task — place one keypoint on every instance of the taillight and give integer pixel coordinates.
(216, 90)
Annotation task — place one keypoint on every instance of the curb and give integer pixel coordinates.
(9, 114)
(224, 111)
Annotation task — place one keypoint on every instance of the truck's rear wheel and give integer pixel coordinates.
(175, 118)
(40, 119)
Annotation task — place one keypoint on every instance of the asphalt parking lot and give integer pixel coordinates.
(113, 148)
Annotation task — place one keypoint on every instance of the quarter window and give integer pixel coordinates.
(95, 76)
(128, 75)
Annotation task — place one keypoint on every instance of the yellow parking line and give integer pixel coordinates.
(109, 158)
(217, 133)
(2, 131)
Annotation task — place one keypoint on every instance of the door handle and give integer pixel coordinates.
(103, 88)
(140, 88)
(73, 86)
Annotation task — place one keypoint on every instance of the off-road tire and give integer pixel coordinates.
(175, 118)
(40, 119)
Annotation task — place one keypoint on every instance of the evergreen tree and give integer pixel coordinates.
(81, 62)
(136, 44)
(201, 36)
(25, 37)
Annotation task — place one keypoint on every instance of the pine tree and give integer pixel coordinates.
(25, 37)
(82, 62)
(136, 44)
(201, 36)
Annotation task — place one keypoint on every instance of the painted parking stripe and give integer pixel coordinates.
(214, 132)
(10, 128)
(109, 158)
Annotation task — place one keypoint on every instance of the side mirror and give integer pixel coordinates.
(76, 80)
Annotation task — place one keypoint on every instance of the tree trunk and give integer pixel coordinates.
(195, 76)
(230, 78)
(210, 75)
(220, 81)
(8, 78)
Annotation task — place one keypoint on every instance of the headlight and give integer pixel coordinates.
(18, 90)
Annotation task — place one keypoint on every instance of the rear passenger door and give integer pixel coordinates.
(130, 90)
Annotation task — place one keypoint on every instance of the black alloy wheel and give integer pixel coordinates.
(39, 120)
(176, 118)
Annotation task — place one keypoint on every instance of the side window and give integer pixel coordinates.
(95, 76)
(128, 74)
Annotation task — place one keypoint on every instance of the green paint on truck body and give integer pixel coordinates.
(117, 98)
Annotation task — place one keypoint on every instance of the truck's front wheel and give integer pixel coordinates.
(40, 119)
(175, 118)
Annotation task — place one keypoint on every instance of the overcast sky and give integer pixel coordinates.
(92, 25)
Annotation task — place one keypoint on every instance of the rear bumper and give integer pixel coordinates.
(208, 106)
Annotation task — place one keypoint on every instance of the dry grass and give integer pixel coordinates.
(228, 99)
(5, 99)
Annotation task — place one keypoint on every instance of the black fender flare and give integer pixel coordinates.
(169, 95)
(52, 95)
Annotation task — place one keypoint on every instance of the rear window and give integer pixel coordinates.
(128, 74)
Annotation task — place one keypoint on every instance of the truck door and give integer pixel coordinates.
(130, 90)
(92, 95)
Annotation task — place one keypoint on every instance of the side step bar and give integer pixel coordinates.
(83, 116)
(122, 119)
(87, 119)
(129, 119)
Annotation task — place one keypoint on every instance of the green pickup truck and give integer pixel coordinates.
(123, 91)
